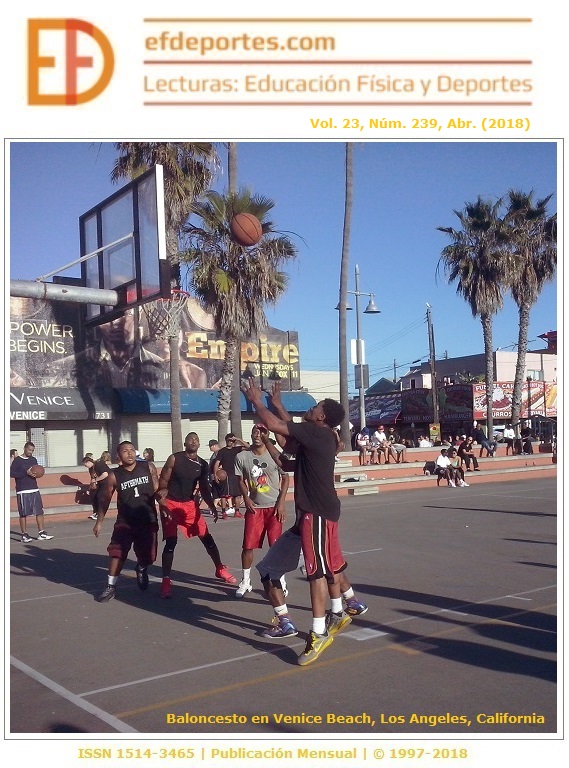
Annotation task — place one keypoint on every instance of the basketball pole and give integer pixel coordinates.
(34, 289)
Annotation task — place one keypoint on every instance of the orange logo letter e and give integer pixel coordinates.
(67, 92)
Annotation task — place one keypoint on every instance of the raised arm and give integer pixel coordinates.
(282, 412)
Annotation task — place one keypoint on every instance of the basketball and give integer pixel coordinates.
(246, 229)
(221, 475)
(37, 470)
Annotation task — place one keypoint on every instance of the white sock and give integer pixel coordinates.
(336, 605)
(112, 580)
(349, 593)
(281, 610)
(319, 625)
(247, 575)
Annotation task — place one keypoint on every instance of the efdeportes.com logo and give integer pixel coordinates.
(70, 62)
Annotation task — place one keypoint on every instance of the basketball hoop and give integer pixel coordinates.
(163, 315)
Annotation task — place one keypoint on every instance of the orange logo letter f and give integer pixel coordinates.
(73, 62)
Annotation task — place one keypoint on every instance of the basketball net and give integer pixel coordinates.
(163, 315)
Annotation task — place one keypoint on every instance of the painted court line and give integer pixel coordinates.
(114, 722)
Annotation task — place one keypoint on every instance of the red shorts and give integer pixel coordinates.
(142, 538)
(320, 547)
(186, 515)
(257, 524)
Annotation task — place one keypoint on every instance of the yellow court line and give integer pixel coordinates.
(299, 670)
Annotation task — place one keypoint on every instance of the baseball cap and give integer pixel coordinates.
(229, 434)
(213, 442)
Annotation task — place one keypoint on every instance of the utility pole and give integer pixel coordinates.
(432, 365)
(394, 371)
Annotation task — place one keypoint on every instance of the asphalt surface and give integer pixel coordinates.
(461, 629)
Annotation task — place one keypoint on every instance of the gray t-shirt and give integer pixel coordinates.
(262, 476)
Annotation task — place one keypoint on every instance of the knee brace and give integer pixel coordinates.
(170, 544)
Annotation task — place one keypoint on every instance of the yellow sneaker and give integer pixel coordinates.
(314, 647)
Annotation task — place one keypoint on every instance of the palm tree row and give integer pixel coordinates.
(501, 247)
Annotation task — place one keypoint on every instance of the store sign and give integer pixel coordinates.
(46, 404)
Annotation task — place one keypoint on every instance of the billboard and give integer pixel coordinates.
(50, 347)
(539, 398)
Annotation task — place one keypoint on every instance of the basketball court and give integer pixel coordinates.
(460, 634)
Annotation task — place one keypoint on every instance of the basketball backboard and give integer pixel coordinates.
(126, 235)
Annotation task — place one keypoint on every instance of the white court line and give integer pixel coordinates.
(73, 698)
(362, 551)
(376, 628)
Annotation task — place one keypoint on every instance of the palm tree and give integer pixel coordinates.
(343, 349)
(189, 169)
(534, 247)
(234, 283)
(235, 407)
(477, 259)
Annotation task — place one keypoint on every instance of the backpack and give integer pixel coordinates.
(429, 468)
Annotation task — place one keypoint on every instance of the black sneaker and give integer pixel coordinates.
(26, 538)
(107, 594)
(141, 577)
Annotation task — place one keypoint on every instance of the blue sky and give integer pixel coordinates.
(402, 192)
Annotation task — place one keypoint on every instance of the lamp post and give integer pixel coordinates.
(371, 309)
(529, 381)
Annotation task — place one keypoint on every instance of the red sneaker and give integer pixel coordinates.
(222, 573)
(166, 588)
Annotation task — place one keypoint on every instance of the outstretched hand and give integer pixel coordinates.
(252, 391)
(276, 391)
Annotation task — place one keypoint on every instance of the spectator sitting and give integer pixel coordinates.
(396, 446)
(456, 468)
(424, 442)
(509, 438)
(466, 453)
(380, 438)
(363, 444)
(443, 469)
(485, 444)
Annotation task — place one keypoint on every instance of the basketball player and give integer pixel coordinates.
(317, 512)
(136, 483)
(181, 474)
(27, 493)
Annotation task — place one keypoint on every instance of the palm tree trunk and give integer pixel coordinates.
(236, 426)
(486, 321)
(523, 313)
(227, 375)
(175, 395)
(343, 347)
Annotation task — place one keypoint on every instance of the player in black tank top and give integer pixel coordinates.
(182, 473)
(136, 483)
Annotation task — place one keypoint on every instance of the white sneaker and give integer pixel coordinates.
(452, 484)
(465, 485)
(243, 588)
(230, 511)
(43, 536)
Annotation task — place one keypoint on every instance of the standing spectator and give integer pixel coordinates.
(466, 453)
(317, 512)
(182, 473)
(27, 493)
(396, 446)
(99, 471)
(527, 438)
(13, 455)
(264, 486)
(485, 443)
(136, 525)
(443, 469)
(509, 438)
(230, 487)
(424, 442)
(148, 454)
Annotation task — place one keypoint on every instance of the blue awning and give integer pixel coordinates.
(200, 401)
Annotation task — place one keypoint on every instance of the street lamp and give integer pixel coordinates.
(529, 381)
(371, 309)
